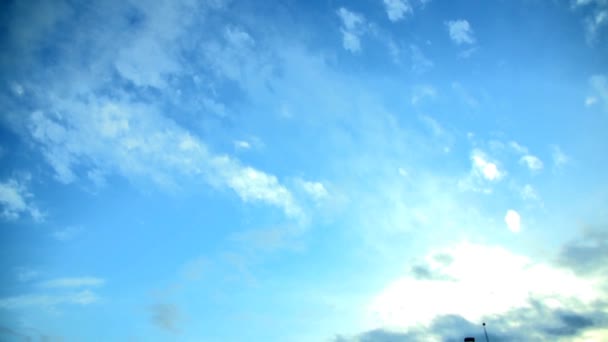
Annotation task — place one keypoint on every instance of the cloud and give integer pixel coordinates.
(465, 95)
(165, 316)
(483, 167)
(67, 233)
(132, 140)
(599, 85)
(532, 162)
(594, 23)
(520, 299)
(15, 201)
(422, 92)
(433, 125)
(518, 148)
(529, 193)
(460, 32)
(559, 157)
(316, 190)
(242, 145)
(590, 101)
(513, 221)
(397, 9)
(479, 281)
(26, 274)
(14, 333)
(595, 19)
(194, 269)
(84, 297)
(420, 63)
(253, 185)
(268, 239)
(587, 255)
(536, 323)
(73, 282)
(352, 29)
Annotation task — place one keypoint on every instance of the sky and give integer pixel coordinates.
(327, 170)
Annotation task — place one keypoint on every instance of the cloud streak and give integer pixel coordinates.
(15, 201)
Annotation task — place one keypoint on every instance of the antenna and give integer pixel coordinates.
(485, 332)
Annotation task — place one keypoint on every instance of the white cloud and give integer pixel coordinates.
(420, 63)
(590, 101)
(351, 41)
(422, 92)
(67, 233)
(599, 85)
(465, 95)
(475, 282)
(26, 274)
(460, 32)
(253, 185)
(74, 282)
(238, 38)
(559, 157)
(432, 124)
(483, 167)
(85, 297)
(350, 20)
(594, 23)
(518, 148)
(532, 162)
(596, 18)
(316, 190)
(352, 28)
(529, 193)
(397, 9)
(513, 221)
(242, 145)
(132, 140)
(17, 89)
(15, 201)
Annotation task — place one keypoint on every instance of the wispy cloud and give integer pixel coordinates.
(397, 9)
(599, 86)
(314, 189)
(120, 140)
(242, 145)
(484, 168)
(532, 162)
(253, 185)
(595, 20)
(15, 201)
(420, 63)
(460, 32)
(465, 95)
(67, 233)
(529, 193)
(352, 28)
(26, 274)
(84, 297)
(559, 157)
(422, 92)
(73, 282)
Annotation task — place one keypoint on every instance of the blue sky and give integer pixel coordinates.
(372, 170)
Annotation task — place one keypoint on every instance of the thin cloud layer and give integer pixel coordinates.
(293, 171)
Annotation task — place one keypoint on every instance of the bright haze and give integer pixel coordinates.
(329, 170)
